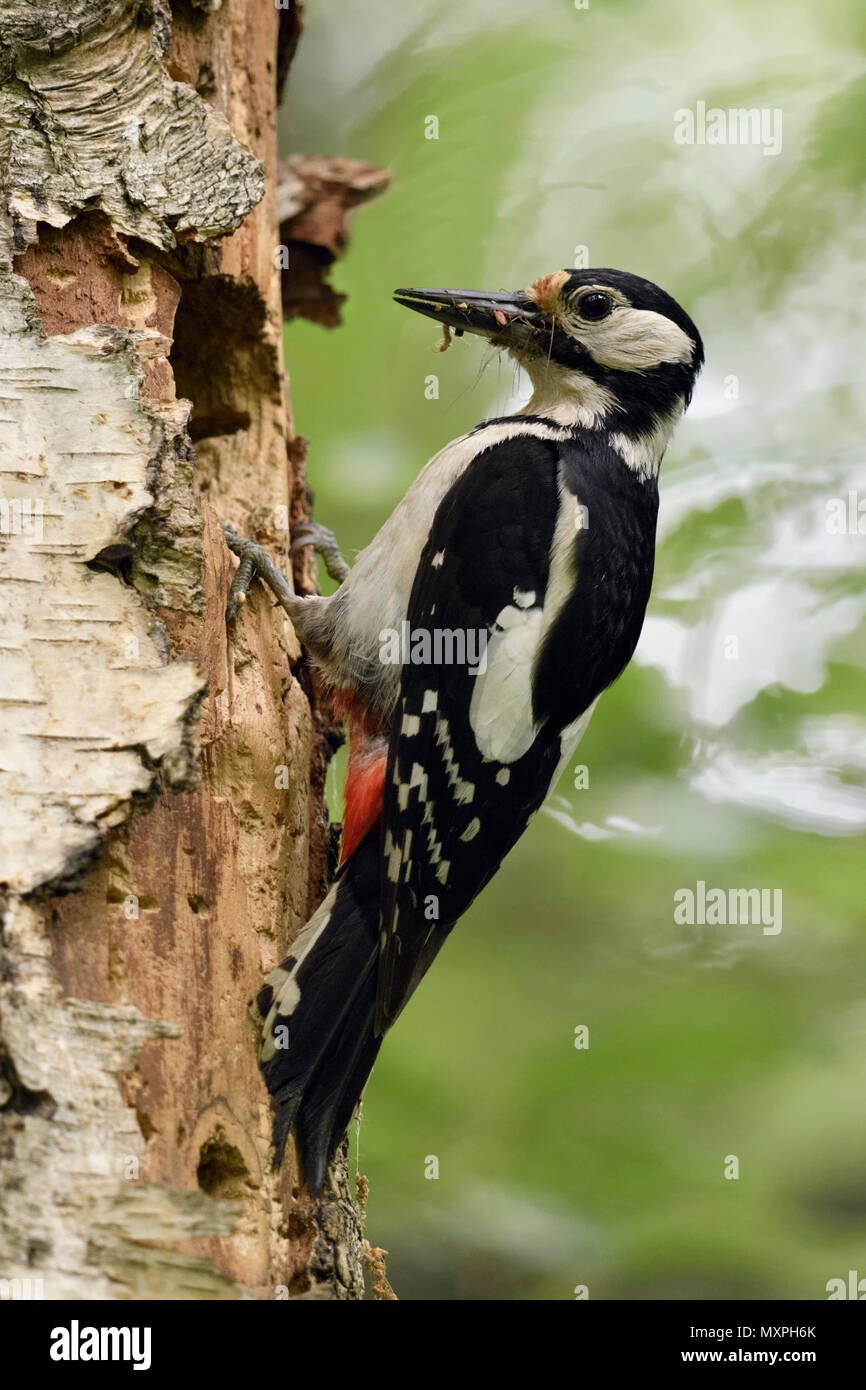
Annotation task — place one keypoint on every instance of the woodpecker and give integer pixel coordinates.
(535, 530)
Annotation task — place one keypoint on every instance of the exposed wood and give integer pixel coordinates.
(161, 779)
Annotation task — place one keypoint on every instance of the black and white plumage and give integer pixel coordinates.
(548, 546)
(537, 531)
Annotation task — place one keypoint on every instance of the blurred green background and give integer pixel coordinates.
(605, 1167)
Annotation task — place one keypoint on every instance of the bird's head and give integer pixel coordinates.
(602, 347)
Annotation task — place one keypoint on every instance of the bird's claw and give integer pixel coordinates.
(324, 543)
(255, 562)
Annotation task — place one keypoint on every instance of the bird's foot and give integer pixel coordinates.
(255, 562)
(324, 543)
(308, 615)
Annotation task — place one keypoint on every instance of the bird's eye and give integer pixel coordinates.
(595, 306)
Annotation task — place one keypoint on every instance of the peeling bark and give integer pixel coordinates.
(78, 443)
(315, 201)
(153, 864)
(94, 120)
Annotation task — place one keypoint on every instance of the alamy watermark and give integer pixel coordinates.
(29, 1289)
(846, 516)
(854, 1287)
(718, 907)
(77, 1343)
(437, 646)
(737, 125)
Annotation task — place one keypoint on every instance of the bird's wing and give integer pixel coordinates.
(473, 754)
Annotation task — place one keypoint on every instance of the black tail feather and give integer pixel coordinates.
(318, 1044)
(335, 1089)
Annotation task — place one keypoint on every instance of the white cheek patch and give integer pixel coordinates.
(633, 340)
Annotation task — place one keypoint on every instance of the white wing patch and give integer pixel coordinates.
(500, 712)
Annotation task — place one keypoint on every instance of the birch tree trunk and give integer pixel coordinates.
(163, 831)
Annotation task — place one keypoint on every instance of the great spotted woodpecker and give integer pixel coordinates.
(536, 531)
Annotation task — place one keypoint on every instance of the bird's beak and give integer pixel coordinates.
(509, 320)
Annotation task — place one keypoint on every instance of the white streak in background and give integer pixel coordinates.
(697, 489)
(802, 484)
(841, 741)
(785, 618)
(614, 828)
(784, 631)
(772, 584)
(797, 791)
(805, 790)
